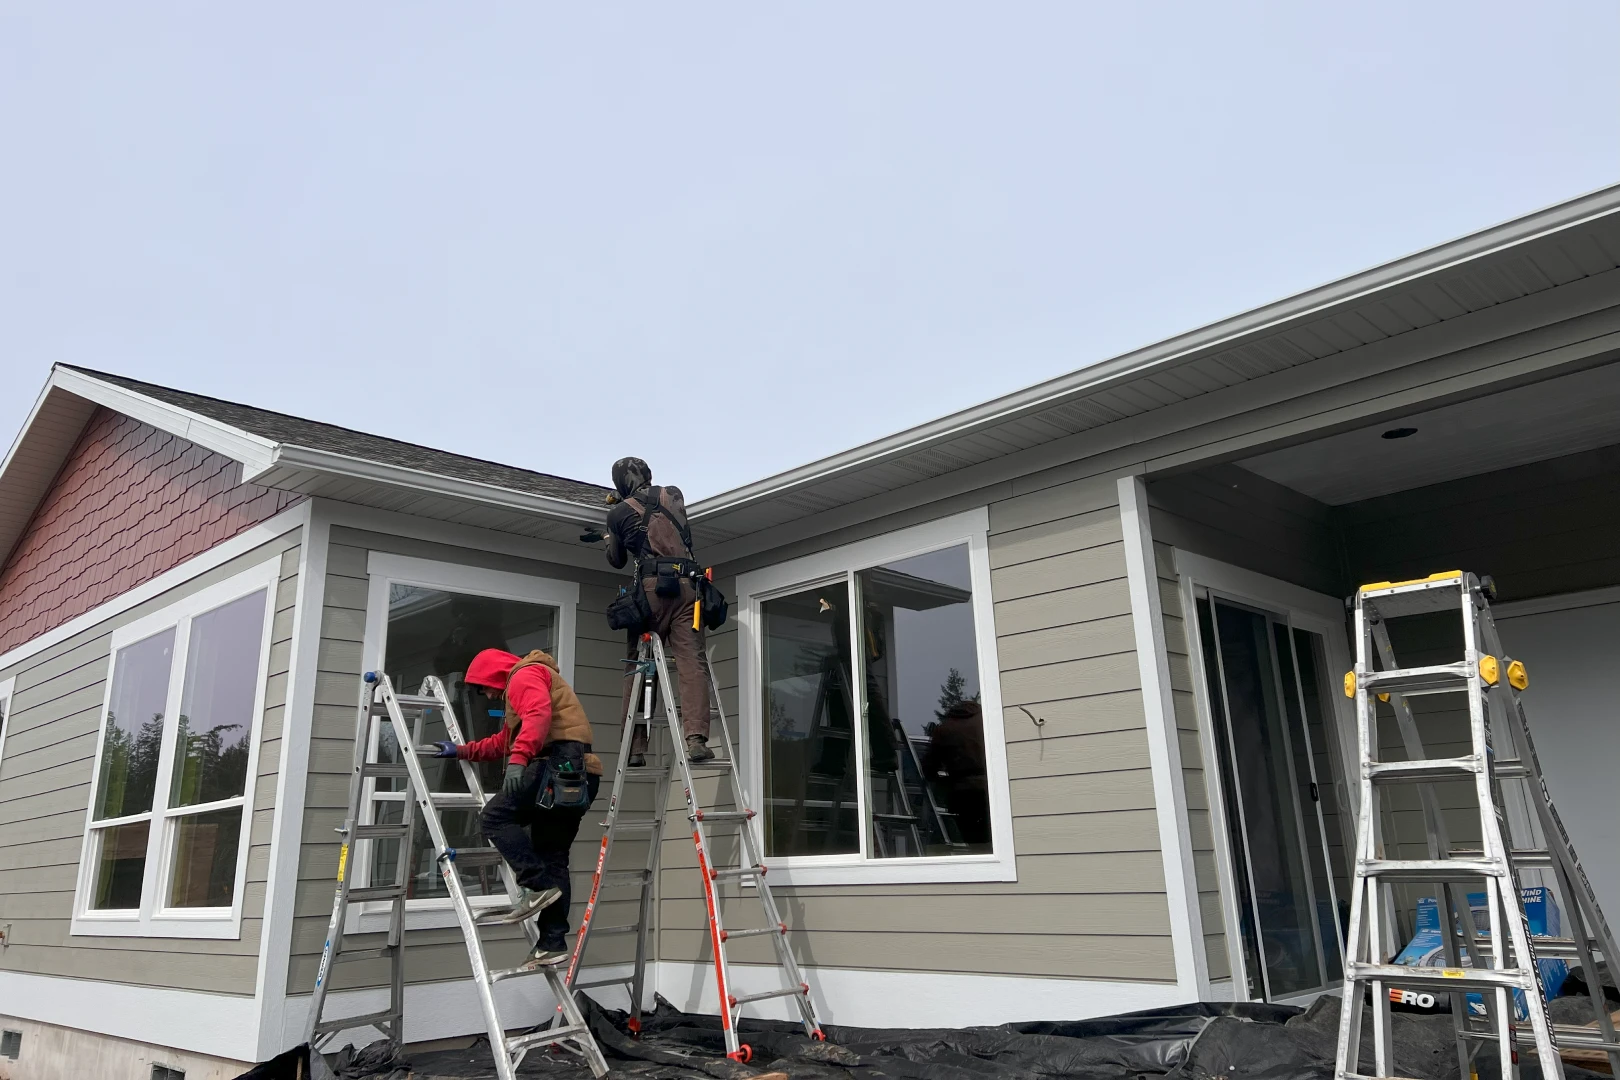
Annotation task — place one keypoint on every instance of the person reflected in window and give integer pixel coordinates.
(546, 741)
(954, 764)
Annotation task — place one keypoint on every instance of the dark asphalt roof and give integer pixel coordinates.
(312, 435)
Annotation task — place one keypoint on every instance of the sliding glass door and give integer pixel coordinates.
(1276, 769)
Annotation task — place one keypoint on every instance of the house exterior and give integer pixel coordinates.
(1136, 571)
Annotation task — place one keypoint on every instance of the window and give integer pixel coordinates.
(869, 723)
(165, 851)
(427, 618)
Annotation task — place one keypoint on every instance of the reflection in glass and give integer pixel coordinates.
(216, 707)
(925, 730)
(134, 732)
(811, 803)
(435, 632)
(120, 867)
(205, 848)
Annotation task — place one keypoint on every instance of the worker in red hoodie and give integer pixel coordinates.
(551, 780)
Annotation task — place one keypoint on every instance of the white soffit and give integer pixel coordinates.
(1515, 427)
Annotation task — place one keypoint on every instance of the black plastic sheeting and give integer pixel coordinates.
(1208, 1041)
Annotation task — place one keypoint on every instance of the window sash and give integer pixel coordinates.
(155, 916)
(849, 576)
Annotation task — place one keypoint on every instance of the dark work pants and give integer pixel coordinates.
(672, 621)
(535, 842)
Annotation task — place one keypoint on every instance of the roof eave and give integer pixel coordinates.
(1179, 349)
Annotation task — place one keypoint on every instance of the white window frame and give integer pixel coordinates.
(385, 570)
(970, 528)
(7, 686)
(153, 918)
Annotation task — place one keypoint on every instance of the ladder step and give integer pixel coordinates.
(728, 935)
(634, 826)
(1428, 769)
(631, 928)
(456, 800)
(543, 1038)
(626, 981)
(1444, 978)
(719, 764)
(375, 892)
(1425, 871)
(502, 974)
(710, 817)
(384, 769)
(741, 873)
(343, 1023)
(739, 1000)
(1523, 858)
(638, 876)
(477, 856)
(380, 832)
(381, 953)
(1569, 1036)
(1419, 680)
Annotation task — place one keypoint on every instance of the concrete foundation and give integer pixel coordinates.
(49, 1052)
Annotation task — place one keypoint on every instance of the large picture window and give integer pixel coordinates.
(430, 619)
(874, 734)
(166, 843)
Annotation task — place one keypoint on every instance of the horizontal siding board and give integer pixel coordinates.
(1063, 607)
(1077, 678)
(1119, 711)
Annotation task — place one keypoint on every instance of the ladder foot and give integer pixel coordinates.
(743, 1053)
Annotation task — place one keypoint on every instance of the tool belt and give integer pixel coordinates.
(564, 783)
(667, 573)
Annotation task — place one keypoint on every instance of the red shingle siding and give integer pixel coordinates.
(131, 502)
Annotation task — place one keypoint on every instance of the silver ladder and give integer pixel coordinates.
(652, 669)
(1520, 834)
(406, 715)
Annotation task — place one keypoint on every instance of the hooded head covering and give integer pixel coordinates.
(630, 475)
(490, 668)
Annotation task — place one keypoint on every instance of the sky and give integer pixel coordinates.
(734, 238)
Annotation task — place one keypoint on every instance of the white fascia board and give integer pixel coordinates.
(1310, 304)
(253, 451)
(375, 472)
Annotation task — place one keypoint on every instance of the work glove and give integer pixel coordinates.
(514, 781)
(446, 748)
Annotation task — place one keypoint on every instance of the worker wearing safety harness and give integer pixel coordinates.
(551, 780)
(649, 525)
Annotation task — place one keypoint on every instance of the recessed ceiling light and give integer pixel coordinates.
(1399, 433)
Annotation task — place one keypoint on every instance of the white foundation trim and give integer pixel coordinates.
(218, 1024)
(1164, 746)
(287, 827)
(240, 544)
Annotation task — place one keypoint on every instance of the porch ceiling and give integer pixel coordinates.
(1514, 427)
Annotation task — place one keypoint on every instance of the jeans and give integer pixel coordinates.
(535, 842)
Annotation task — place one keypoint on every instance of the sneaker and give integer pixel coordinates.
(529, 904)
(697, 749)
(544, 955)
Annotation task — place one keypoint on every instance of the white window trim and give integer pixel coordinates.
(1312, 611)
(971, 528)
(6, 688)
(152, 919)
(386, 569)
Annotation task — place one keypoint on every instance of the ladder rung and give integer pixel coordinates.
(1523, 858)
(719, 764)
(456, 800)
(626, 981)
(416, 701)
(379, 832)
(728, 935)
(1562, 948)
(543, 1038)
(619, 826)
(1424, 871)
(1426, 769)
(478, 856)
(381, 953)
(641, 775)
(343, 1023)
(711, 817)
(375, 892)
(632, 928)
(502, 974)
(383, 769)
(1444, 978)
(1419, 680)
(1568, 1036)
(740, 873)
(1511, 770)
(738, 1001)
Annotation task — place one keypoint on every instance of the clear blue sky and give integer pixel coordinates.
(510, 229)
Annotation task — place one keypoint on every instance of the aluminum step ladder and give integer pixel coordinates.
(652, 683)
(1520, 832)
(406, 716)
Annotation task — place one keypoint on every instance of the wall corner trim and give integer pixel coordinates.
(1164, 748)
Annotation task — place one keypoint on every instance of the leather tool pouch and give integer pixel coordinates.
(564, 784)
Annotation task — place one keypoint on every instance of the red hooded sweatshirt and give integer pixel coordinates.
(528, 698)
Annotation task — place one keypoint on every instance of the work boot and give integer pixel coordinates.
(531, 903)
(638, 746)
(697, 750)
(546, 953)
